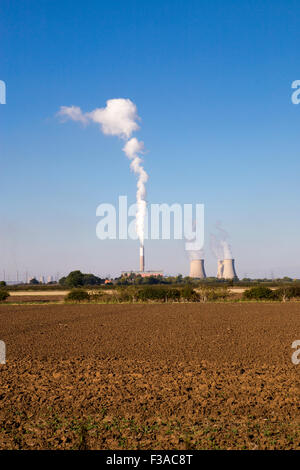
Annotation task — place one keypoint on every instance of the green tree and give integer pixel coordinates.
(74, 279)
(77, 295)
(259, 293)
(3, 295)
(78, 279)
(62, 281)
(91, 280)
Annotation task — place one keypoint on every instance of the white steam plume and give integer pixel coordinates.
(131, 149)
(223, 235)
(216, 247)
(227, 253)
(72, 112)
(220, 245)
(119, 118)
(195, 254)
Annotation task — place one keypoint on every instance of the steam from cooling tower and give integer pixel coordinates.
(195, 254)
(223, 235)
(221, 249)
(219, 244)
(119, 118)
(216, 247)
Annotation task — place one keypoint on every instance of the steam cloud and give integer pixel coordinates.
(219, 244)
(195, 254)
(119, 118)
(216, 247)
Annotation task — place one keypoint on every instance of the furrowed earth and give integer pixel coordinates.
(150, 376)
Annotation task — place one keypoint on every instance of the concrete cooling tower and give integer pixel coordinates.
(220, 269)
(197, 269)
(229, 269)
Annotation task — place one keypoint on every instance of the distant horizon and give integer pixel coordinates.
(56, 280)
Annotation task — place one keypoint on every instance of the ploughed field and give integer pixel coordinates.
(150, 376)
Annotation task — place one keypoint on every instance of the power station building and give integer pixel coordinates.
(142, 273)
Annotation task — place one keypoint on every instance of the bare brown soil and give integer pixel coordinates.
(179, 376)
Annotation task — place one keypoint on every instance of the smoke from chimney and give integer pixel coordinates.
(119, 118)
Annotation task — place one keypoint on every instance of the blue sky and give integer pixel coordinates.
(212, 83)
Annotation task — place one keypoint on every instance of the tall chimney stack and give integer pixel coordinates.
(197, 268)
(142, 259)
(220, 269)
(229, 269)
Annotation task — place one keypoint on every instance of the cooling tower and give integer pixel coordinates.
(197, 268)
(220, 269)
(229, 269)
(142, 259)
